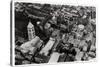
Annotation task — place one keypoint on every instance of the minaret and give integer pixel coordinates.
(31, 31)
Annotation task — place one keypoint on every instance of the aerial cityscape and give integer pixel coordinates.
(50, 33)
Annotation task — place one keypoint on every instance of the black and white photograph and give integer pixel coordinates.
(53, 33)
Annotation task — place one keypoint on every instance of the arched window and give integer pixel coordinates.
(29, 30)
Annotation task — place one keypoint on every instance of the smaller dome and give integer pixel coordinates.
(38, 22)
(81, 26)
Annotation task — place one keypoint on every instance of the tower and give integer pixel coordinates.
(31, 31)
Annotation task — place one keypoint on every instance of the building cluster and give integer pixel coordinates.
(70, 34)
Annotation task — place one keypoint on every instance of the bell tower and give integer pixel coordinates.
(31, 31)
